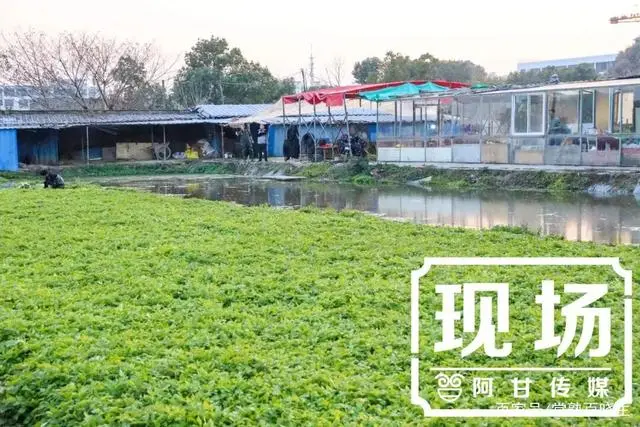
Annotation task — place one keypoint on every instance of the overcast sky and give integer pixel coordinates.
(496, 34)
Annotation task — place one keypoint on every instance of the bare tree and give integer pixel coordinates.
(81, 70)
(335, 73)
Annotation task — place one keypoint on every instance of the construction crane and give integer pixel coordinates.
(632, 17)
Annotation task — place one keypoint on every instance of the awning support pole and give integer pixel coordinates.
(315, 139)
(164, 143)
(87, 128)
(413, 123)
(284, 125)
(395, 119)
(299, 127)
(222, 140)
(346, 119)
(377, 122)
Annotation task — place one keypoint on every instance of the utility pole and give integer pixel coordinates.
(312, 79)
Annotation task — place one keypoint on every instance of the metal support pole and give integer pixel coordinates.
(400, 122)
(395, 119)
(315, 140)
(284, 124)
(164, 142)
(481, 127)
(377, 123)
(413, 123)
(439, 121)
(299, 128)
(426, 132)
(87, 128)
(222, 140)
(346, 119)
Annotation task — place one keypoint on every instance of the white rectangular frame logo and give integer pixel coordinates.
(617, 409)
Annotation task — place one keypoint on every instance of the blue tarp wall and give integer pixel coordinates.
(275, 141)
(8, 150)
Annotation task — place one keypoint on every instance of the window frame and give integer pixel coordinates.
(544, 114)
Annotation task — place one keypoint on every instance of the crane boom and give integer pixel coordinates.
(632, 17)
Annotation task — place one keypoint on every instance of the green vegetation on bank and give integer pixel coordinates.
(364, 173)
(126, 308)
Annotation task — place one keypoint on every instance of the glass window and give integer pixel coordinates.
(496, 109)
(528, 114)
(587, 111)
(536, 111)
(626, 111)
(563, 112)
(520, 114)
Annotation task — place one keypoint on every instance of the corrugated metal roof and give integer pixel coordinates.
(573, 86)
(213, 111)
(353, 118)
(65, 119)
(587, 85)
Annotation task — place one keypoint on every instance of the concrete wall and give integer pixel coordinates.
(388, 154)
(495, 153)
(600, 158)
(466, 153)
(631, 156)
(562, 155)
(528, 157)
(438, 154)
(8, 150)
(409, 154)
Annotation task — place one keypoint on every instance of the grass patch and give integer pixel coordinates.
(127, 308)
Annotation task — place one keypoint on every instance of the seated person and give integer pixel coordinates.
(557, 126)
(52, 180)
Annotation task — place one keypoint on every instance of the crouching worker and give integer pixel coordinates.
(52, 180)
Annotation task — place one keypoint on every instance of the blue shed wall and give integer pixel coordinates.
(41, 147)
(8, 149)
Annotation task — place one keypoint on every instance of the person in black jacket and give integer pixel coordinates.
(52, 180)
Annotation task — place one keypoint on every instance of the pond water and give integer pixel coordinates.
(577, 217)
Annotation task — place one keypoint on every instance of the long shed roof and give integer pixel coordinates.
(220, 114)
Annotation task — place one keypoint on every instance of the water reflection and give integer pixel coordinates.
(580, 217)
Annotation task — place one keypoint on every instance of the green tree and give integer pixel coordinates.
(215, 73)
(367, 70)
(581, 72)
(459, 71)
(397, 67)
(628, 61)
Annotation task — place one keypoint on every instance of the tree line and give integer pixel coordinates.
(397, 67)
(91, 72)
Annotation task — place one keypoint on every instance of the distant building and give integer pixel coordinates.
(25, 98)
(601, 63)
(15, 98)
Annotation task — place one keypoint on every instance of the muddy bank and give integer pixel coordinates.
(601, 183)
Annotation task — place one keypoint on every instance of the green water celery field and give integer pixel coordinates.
(127, 308)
